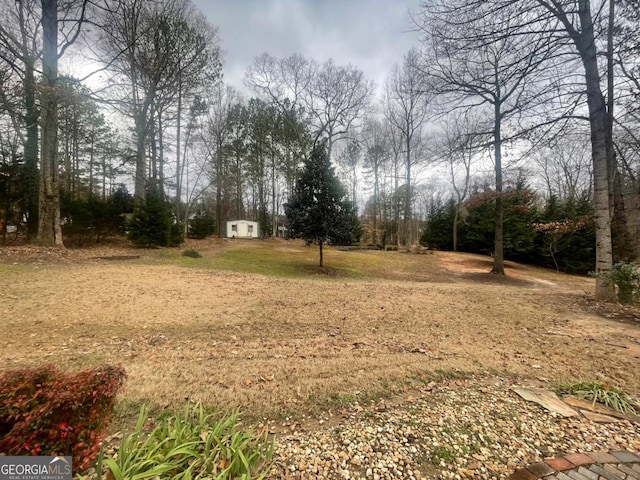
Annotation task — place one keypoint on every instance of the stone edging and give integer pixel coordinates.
(615, 465)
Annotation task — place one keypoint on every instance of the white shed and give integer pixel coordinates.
(242, 229)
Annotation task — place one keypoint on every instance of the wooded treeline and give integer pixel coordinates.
(542, 94)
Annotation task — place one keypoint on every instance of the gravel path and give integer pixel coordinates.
(456, 429)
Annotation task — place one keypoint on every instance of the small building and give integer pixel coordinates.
(242, 229)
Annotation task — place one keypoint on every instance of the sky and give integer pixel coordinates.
(373, 35)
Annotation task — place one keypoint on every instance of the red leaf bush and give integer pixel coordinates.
(47, 412)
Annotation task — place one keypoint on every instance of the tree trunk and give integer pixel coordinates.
(376, 192)
(160, 156)
(238, 186)
(66, 141)
(584, 41)
(154, 151)
(396, 213)
(141, 162)
(219, 187)
(321, 254)
(407, 200)
(597, 119)
(498, 252)
(178, 164)
(274, 217)
(76, 154)
(31, 149)
(623, 247)
(91, 161)
(49, 231)
(456, 215)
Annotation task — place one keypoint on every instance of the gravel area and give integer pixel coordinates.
(457, 429)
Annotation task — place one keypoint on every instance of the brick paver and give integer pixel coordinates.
(615, 465)
(579, 459)
(631, 474)
(559, 464)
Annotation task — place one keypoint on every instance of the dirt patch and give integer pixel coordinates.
(493, 279)
(614, 326)
(118, 257)
(276, 345)
(325, 271)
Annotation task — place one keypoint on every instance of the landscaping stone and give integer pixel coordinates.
(547, 399)
(455, 429)
(598, 417)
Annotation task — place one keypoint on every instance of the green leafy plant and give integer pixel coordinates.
(190, 445)
(191, 253)
(626, 278)
(443, 454)
(44, 411)
(598, 392)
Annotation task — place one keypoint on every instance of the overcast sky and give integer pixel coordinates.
(371, 34)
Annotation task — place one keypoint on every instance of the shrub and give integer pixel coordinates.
(46, 412)
(626, 278)
(191, 253)
(94, 218)
(188, 445)
(176, 234)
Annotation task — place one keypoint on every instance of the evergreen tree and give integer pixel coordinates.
(477, 232)
(94, 217)
(153, 224)
(318, 210)
(438, 232)
(565, 235)
(202, 224)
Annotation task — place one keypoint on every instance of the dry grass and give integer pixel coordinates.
(194, 329)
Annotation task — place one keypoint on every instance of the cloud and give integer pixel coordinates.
(371, 34)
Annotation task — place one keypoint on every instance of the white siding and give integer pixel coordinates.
(242, 229)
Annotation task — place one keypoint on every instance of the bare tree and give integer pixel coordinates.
(576, 18)
(73, 13)
(460, 145)
(153, 48)
(565, 166)
(21, 50)
(476, 57)
(333, 96)
(284, 82)
(376, 155)
(198, 69)
(337, 97)
(406, 107)
(349, 161)
(215, 139)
